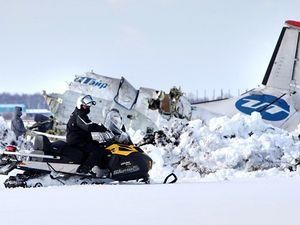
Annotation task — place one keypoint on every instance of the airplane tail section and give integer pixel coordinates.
(279, 101)
(284, 70)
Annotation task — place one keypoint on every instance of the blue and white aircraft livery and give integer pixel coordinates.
(91, 81)
(270, 107)
(278, 100)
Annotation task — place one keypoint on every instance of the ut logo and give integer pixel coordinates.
(268, 106)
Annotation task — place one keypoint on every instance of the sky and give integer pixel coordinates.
(197, 45)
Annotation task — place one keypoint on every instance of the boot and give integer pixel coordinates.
(83, 169)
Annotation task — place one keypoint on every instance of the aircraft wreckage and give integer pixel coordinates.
(278, 100)
(140, 109)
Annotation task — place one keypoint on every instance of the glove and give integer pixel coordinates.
(99, 128)
(102, 128)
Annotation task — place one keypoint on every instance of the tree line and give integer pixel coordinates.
(37, 101)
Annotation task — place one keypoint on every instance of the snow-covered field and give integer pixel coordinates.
(272, 201)
(231, 171)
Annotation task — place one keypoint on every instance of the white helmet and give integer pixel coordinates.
(85, 100)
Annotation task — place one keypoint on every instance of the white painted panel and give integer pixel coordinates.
(281, 73)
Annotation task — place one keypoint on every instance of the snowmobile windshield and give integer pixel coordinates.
(114, 122)
(88, 101)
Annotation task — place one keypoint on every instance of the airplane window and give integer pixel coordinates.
(127, 95)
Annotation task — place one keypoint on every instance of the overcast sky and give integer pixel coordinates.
(197, 44)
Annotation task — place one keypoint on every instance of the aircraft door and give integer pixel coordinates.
(126, 95)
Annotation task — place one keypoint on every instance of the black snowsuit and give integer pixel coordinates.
(79, 136)
(17, 124)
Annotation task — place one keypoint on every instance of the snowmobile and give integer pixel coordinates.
(51, 163)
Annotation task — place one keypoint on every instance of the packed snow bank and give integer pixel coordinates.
(6, 134)
(226, 148)
(240, 146)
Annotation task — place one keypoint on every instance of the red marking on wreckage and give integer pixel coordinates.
(293, 23)
(10, 148)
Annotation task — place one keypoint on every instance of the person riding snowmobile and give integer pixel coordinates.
(79, 128)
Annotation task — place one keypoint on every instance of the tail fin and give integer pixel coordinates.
(284, 70)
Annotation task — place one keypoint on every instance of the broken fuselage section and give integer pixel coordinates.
(141, 109)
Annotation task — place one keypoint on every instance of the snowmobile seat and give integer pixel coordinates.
(57, 148)
(42, 143)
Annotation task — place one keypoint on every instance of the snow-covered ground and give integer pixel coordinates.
(260, 201)
(231, 171)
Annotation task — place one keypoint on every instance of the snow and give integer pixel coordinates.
(226, 148)
(6, 135)
(260, 201)
(235, 170)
